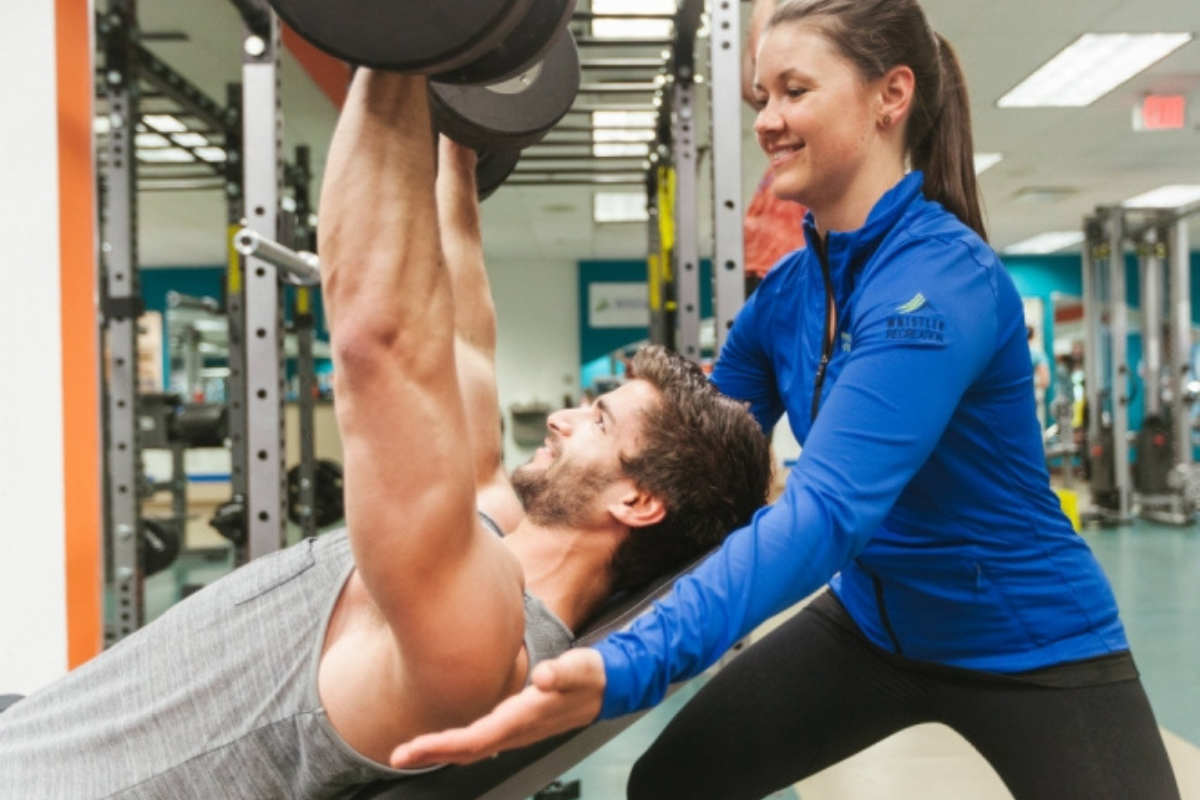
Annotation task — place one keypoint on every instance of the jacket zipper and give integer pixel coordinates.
(818, 384)
(830, 330)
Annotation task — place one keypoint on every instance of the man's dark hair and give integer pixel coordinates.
(703, 455)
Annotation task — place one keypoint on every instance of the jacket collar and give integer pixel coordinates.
(848, 251)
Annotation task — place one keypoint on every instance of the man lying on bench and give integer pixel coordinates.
(298, 674)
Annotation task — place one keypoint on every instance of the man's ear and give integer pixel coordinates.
(637, 508)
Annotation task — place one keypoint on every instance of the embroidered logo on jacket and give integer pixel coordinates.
(916, 322)
(915, 304)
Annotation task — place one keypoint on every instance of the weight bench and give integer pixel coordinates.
(522, 773)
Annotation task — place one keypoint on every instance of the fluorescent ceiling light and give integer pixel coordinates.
(985, 161)
(1049, 242)
(1043, 195)
(644, 135)
(190, 139)
(1174, 196)
(213, 155)
(611, 149)
(633, 7)
(619, 207)
(624, 119)
(151, 140)
(1090, 67)
(164, 155)
(164, 123)
(621, 141)
(630, 27)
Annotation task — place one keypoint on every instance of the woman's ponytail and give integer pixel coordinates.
(945, 151)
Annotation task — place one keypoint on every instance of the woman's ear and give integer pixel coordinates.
(637, 508)
(895, 89)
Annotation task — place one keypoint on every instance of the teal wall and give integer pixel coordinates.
(207, 281)
(597, 343)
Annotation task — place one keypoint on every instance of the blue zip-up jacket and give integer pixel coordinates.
(921, 489)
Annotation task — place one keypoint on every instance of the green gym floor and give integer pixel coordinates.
(1155, 571)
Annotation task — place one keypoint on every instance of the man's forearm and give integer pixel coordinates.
(377, 210)
(474, 322)
(462, 246)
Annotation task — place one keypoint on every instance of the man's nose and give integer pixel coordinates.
(560, 421)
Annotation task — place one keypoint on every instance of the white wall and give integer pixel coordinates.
(33, 628)
(537, 353)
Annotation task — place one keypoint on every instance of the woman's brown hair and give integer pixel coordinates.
(879, 35)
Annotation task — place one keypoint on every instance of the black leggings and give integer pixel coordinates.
(815, 691)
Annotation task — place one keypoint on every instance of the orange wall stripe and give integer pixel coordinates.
(331, 75)
(80, 381)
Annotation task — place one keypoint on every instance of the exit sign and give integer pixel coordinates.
(1160, 112)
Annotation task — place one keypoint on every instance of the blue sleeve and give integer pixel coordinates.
(744, 369)
(917, 345)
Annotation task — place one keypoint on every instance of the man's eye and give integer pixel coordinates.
(796, 91)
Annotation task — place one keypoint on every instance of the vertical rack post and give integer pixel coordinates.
(121, 307)
(1150, 252)
(303, 322)
(687, 249)
(235, 315)
(262, 164)
(729, 287)
(1119, 316)
(1181, 338)
(1093, 251)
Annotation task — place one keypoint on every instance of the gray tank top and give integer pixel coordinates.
(216, 698)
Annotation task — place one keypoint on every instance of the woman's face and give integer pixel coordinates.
(817, 123)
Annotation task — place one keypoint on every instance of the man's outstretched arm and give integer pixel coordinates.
(449, 592)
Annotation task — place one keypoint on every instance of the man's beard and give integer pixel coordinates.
(559, 495)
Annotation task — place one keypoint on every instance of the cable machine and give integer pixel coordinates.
(1158, 483)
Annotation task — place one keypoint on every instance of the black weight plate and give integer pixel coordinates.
(230, 520)
(528, 44)
(160, 546)
(492, 169)
(328, 499)
(497, 117)
(418, 36)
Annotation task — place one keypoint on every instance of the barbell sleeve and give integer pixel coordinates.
(302, 267)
